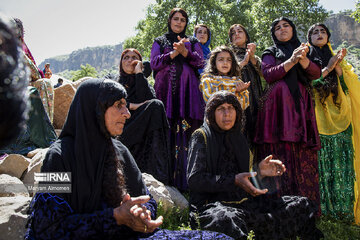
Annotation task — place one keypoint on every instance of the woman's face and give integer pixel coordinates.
(223, 63)
(115, 117)
(177, 23)
(238, 37)
(283, 31)
(202, 35)
(319, 36)
(129, 62)
(225, 116)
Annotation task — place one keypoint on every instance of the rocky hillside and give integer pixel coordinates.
(103, 57)
(343, 28)
(345, 32)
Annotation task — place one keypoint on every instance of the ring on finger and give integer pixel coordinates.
(145, 228)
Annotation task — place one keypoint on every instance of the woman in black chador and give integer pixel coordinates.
(146, 132)
(223, 198)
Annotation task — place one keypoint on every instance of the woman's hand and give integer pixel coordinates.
(251, 48)
(242, 180)
(132, 214)
(180, 46)
(271, 167)
(138, 66)
(298, 55)
(342, 53)
(134, 106)
(241, 86)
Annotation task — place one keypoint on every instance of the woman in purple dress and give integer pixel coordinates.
(175, 59)
(286, 125)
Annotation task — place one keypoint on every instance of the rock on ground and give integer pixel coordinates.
(13, 217)
(14, 165)
(11, 186)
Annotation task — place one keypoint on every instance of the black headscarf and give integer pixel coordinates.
(84, 143)
(14, 77)
(283, 51)
(225, 146)
(136, 90)
(169, 38)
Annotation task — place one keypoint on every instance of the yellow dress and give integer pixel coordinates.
(353, 83)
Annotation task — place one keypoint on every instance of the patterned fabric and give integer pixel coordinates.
(35, 74)
(46, 91)
(336, 175)
(47, 73)
(212, 83)
(286, 217)
(55, 220)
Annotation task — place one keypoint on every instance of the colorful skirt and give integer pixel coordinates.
(337, 175)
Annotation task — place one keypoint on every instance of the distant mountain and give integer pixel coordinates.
(102, 57)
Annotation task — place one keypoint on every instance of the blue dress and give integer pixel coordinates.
(52, 218)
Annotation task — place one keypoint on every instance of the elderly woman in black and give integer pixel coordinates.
(108, 199)
(222, 197)
(146, 132)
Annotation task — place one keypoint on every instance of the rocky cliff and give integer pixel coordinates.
(103, 57)
(343, 28)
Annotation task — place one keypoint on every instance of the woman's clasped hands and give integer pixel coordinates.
(135, 215)
(179, 47)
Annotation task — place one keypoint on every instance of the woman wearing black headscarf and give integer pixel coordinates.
(103, 176)
(222, 197)
(250, 65)
(175, 60)
(146, 132)
(286, 125)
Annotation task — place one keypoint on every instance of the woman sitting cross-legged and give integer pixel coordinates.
(108, 199)
(223, 198)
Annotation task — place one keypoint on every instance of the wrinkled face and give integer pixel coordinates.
(202, 35)
(223, 63)
(177, 23)
(115, 117)
(238, 37)
(283, 31)
(319, 36)
(225, 116)
(129, 62)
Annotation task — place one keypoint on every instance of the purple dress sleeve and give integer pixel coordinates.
(195, 58)
(273, 72)
(158, 61)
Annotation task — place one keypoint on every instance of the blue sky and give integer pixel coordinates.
(57, 27)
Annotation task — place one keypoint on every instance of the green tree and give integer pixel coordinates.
(303, 13)
(85, 71)
(356, 13)
(219, 15)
